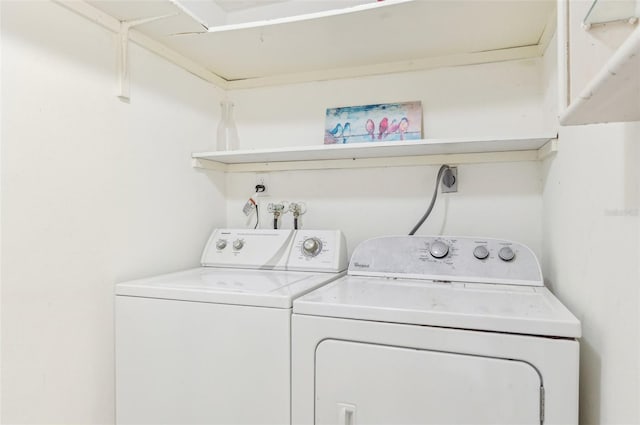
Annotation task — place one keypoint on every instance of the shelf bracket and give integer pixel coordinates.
(606, 12)
(123, 54)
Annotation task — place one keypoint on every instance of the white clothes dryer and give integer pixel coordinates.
(212, 345)
(435, 330)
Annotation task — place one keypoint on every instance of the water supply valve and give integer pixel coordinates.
(277, 209)
(297, 209)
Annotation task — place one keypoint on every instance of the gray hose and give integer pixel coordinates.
(441, 171)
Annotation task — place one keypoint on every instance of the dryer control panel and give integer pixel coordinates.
(447, 258)
(301, 250)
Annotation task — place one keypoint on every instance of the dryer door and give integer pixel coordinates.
(358, 383)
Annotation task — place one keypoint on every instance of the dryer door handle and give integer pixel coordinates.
(346, 414)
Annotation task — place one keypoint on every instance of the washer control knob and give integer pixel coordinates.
(311, 247)
(238, 244)
(481, 252)
(439, 249)
(221, 243)
(506, 254)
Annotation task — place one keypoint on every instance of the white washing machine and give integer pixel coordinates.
(212, 345)
(435, 330)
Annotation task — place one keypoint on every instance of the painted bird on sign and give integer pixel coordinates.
(337, 130)
(382, 127)
(371, 128)
(346, 132)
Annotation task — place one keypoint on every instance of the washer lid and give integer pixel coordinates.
(460, 305)
(228, 286)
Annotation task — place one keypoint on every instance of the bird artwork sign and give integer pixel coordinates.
(373, 123)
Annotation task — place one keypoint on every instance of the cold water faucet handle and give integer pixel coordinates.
(277, 210)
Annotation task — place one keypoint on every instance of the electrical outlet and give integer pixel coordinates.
(450, 180)
(262, 179)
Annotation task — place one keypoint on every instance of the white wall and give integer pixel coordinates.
(93, 191)
(496, 99)
(591, 236)
(499, 200)
(590, 260)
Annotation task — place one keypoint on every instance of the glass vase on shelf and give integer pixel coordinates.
(227, 136)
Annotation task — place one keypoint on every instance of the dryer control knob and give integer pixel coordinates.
(481, 252)
(439, 249)
(506, 254)
(238, 244)
(311, 247)
(221, 243)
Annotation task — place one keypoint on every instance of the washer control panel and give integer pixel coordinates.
(308, 250)
(318, 250)
(447, 258)
(312, 246)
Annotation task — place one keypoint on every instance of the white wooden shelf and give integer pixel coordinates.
(365, 39)
(614, 94)
(379, 154)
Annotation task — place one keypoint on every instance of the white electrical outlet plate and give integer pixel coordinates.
(263, 179)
